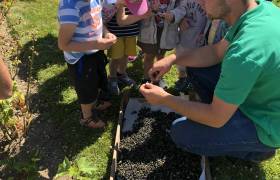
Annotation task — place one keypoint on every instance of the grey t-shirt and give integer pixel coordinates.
(197, 19)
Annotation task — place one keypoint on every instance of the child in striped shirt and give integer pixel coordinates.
(126, 27)
(83, 38)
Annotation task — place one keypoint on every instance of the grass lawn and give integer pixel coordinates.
(86, 152)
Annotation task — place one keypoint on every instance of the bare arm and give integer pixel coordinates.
(215, 114)
(124, 20)
(200, 57)
(203, 57)
(66, 32)
(5, 81)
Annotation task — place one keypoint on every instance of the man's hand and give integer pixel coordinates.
(161, 67)
(184, 24)
(152, 93)
(168, 16)
(106, 42)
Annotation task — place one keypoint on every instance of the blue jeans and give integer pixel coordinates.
(237, 138)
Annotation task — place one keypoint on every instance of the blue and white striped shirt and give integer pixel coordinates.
(86, 15)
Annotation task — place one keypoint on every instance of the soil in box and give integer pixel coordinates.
(149, 153)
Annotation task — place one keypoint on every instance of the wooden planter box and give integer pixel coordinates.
(114, 163)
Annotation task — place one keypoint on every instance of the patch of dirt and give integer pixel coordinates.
(42, 136)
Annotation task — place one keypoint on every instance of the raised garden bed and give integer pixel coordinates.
(144, 149)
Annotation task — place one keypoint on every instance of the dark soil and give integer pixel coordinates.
(149, 153)
(42, 137)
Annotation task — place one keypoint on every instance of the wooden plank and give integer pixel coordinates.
(124, 101)
(207, 169)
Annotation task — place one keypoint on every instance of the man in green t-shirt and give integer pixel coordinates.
(239, 114)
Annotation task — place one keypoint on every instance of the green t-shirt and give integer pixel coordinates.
(250, 75)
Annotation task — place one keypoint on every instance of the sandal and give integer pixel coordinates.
(92, 122)
(102, 105)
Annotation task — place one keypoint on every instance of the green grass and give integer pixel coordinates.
(58, 102)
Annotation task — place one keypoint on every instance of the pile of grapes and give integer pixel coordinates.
(149, 153)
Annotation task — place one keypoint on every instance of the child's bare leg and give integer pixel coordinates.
(122, 76)
(113, 67)
(88, 116)
(122, 65)
(181, 71)
(159, 57)
(182, 84)
(113, 80)
(161, 82)
(87, 110)
(148, 63)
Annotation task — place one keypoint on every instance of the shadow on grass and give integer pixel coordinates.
(232, 168)
(55, 133)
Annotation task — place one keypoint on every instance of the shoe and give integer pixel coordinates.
(113, 86)
(161, 83)
(182, 84)
(102, 105)
(125, 80)
(92, 122)
(131, 58)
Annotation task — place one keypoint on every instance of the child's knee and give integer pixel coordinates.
(149, 57)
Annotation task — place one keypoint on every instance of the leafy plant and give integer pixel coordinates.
(6, 111)
(27, 169)
(10, 111)
(23, 169)
(80, 169)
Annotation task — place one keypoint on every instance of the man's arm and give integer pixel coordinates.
(200, 57)
(65, 43)
(215, 114)
(203, 57)
(6, 86)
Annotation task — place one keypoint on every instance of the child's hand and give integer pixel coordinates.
(184, 24)
(106, 42)
(155, 5)
(103, 43)
(168, 16)
(109, 35)
(120, 3)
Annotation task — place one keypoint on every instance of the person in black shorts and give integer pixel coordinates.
(82, 38)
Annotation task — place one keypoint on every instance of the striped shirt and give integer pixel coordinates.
(86, 15)
(122, 31)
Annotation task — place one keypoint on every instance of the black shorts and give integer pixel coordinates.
(88, 76)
